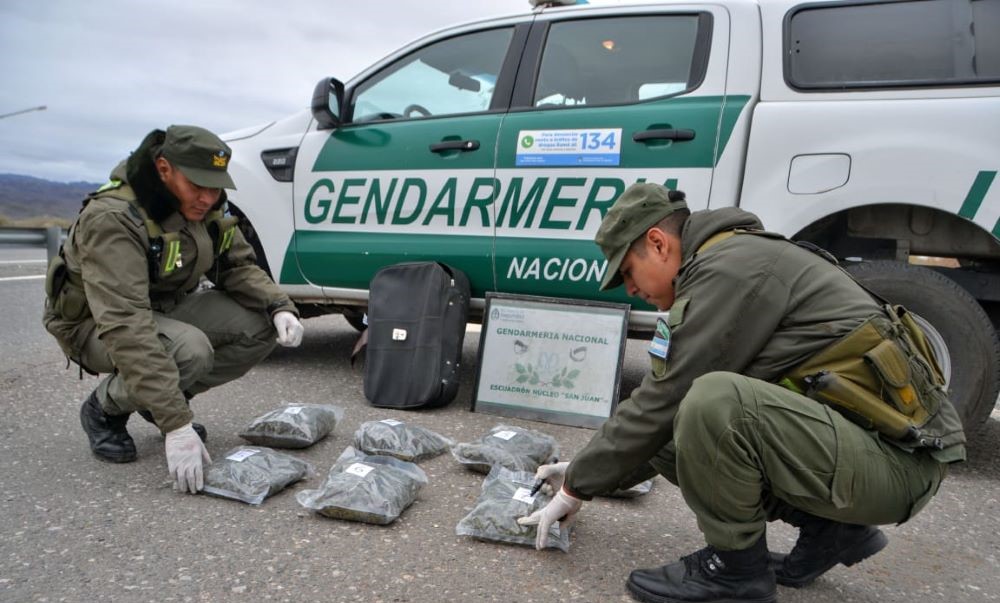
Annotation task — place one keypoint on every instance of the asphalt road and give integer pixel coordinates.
(75, 529)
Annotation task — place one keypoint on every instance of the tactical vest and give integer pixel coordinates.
(882, 375)
(163, 254)
(64, 289)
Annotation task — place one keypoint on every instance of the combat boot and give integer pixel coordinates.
(823, 544)
(109, 440)
(708, 575)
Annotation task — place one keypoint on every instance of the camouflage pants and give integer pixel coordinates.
(746, 452)
(211, 338)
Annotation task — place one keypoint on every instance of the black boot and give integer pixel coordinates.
(198, 427)
(823, 544)
(708, 575)
(109, 440)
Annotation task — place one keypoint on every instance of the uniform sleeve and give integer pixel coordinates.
(238, 274)
(112, 253)
(730, 311)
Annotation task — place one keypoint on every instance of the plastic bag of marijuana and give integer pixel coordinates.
(401, 440)
(506, 496)
(251, 474)
(367, 488)
(515, 448)
(293, 425)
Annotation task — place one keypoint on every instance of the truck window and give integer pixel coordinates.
(617, 60)
(457, 75)
(882, 45)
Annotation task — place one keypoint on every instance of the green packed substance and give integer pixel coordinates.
(293, 425)
(401, 440)
(251, 474)
(366, 488)
(505, 498)
(514, 448)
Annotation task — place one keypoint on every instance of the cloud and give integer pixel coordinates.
(110, 71)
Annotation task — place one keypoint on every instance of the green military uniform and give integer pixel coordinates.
(123, 310)
(711, 418)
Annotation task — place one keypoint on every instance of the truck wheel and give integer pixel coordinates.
(355, 318)
(961, 334)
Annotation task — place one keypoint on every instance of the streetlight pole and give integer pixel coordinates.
(29, 110)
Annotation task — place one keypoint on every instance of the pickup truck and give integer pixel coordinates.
(870, 128)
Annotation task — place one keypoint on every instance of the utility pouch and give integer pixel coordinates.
(55, 277)
(869, 378)
(64, 296)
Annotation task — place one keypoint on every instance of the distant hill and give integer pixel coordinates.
(24, 197)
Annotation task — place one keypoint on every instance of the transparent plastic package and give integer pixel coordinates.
(251, 474)
(365, 487)
(506, 496)
(404, 441)
(293, 425)
(514, 448)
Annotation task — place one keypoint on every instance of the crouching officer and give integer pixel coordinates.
(122, 297)
(765, 342)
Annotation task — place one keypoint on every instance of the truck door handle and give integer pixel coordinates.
(664, 134)
(454, 145)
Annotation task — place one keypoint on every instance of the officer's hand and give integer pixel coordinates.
(562, 508)
(185, 456)
(289, 329)
(554, 475)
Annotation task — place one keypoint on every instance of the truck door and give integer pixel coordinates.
(409, 176)
(609, 99)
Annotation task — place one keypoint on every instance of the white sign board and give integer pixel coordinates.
(550, 359)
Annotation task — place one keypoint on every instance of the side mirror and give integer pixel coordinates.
(327, 103)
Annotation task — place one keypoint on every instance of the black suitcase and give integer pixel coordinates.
(416, 323)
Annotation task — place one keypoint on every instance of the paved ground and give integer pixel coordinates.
(75, 529)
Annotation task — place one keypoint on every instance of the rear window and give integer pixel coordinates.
(893, 44)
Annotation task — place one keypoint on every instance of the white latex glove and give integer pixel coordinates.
(289, 329)
(554, 475)
(185, 455)
(562, 508)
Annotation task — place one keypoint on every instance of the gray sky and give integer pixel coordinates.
(110, 71)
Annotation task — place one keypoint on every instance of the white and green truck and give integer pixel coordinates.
(871, 128)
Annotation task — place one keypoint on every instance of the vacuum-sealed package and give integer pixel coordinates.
(251, 474)
(506, 497)
(293, 425)
(401, 440)
(640, 489)
(369, 488)
(514, 448)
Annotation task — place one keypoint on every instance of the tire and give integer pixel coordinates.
(959, 331)
(355, 318)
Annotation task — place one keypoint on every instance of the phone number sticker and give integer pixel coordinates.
(546, 148)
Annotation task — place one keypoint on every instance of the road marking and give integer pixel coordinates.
(33, 277)
(23, 261)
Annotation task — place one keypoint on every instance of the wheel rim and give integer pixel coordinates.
(938, 345)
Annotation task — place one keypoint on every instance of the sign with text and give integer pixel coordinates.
(550, 359)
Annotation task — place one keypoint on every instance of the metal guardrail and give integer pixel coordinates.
(50, 238)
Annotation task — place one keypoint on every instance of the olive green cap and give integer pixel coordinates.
(200, 155)
(637, 210)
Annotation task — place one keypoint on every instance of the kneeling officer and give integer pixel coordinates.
(122, 297)
(765, 342)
